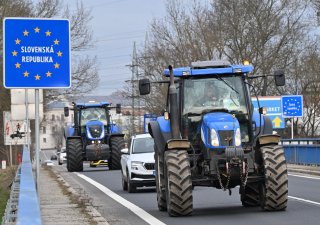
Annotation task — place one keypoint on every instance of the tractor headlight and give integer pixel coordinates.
(135, 165)
(214, 138)
(237, 137)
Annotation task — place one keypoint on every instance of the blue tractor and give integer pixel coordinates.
(210, 135)
(93, 136)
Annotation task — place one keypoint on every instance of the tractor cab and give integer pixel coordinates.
(215, 106)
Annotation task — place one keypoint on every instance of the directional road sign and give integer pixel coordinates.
(36, 53)
(147, 118)
(273, 105)
(292, 105)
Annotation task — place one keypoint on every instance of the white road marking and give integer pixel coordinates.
(135, 209)
(304, 200)
(309, 177)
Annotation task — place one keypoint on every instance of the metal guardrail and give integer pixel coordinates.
(23, 206)
(10, 214)
(303, 151)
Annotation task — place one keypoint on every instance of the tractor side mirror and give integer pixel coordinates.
(144, 86)
(66, 111)
(118, 108)
(279, 78)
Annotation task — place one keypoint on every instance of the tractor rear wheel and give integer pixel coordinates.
(116, 144)
(160, 181)
(74, 155)
(178, 183)
(274, 190)
(250, 195)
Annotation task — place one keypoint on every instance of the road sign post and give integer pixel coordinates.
(292, 106)
(36, 55)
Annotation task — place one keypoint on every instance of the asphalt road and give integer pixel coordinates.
(211, 206)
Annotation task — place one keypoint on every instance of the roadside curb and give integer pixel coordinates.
(81, 198)
(302, 169)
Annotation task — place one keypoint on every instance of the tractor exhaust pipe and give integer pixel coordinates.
(174, 110)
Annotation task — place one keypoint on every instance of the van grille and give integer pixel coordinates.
(149, 166)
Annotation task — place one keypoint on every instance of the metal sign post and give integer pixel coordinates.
(36, 55)
(37, 133)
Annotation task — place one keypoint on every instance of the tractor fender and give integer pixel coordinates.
(267, 126)
(73, 137)
(178, 144)
(68, 132)
(160, 138)
(267, 139)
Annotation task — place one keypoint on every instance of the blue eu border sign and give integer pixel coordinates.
(36, 53)
(292, 105)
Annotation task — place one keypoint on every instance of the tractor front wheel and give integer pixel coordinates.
(74, 155)
(116, 144)
(274, 190)
(178, 183)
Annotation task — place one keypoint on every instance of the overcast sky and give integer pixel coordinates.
(116, 25)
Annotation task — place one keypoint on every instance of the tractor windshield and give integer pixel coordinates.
(93, 114)
(214, 94)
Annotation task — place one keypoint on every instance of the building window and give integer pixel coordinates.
(44, 130)
(44, 117)
(53, 117)
(62, 117)
(53, 129)
(44, 140)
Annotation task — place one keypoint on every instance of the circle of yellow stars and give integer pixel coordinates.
(18, 42)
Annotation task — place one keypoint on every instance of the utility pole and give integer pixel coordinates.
(134, 73)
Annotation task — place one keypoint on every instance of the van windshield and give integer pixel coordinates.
(143, 145)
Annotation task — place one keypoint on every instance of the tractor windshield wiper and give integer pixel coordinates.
(220, 78)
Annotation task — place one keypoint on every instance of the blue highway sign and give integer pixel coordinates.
(146, 119)
(273, 105)
(292, 105)
(36, 53)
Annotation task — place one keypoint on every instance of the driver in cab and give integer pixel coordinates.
(211, 97)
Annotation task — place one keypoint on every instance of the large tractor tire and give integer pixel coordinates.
(74, 155)
(250, 195)
(116, 144)
(274, 191)
(160, 181)
(178, 183)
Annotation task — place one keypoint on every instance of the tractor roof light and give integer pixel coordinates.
(246, 62)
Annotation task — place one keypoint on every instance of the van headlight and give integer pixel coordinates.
(237, 137)
(214, 138)
(135, 165)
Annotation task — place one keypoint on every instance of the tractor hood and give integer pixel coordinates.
(219, 129)
(95, 130)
